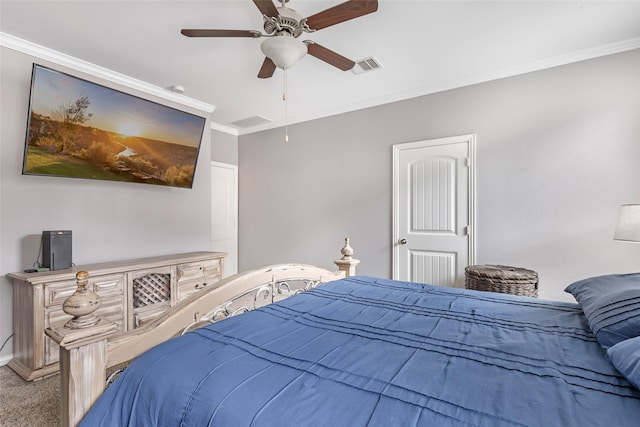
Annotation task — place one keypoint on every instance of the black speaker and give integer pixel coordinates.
(56, 249)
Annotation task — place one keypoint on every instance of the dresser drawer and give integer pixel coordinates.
(145, 315)
(195, 277)
(56, 293)
(196, 270)
(190, 287)
(108, 285)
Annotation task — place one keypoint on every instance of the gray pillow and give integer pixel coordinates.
(611, 305)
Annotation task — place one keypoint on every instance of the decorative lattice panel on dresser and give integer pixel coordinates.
(151, 289)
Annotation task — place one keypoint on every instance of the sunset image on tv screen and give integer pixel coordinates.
(85, 130)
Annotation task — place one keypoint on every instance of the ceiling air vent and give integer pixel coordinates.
(366, 65)
(251, 121)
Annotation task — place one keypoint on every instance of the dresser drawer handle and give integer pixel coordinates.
(201, 286)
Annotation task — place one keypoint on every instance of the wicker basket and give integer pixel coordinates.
(503, 279)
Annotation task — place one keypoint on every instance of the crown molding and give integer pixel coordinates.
(224, 128)
(542, 64)
(41, 52)
(11, 42)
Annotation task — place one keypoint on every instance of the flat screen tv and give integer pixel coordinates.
(81, 129)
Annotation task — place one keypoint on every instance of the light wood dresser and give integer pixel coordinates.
(132, 293)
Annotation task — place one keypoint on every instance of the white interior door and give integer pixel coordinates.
(224, 214)
(433, 198)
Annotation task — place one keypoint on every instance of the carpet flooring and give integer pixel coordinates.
(28, 404)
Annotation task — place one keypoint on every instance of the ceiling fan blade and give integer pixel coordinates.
(221, 33)
(267, 69)
(342, 12)
(266, 7)
(329, 56)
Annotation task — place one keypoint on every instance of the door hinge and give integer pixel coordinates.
(467, 162)
(467, 230)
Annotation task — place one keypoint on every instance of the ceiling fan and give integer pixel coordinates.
(282, 27)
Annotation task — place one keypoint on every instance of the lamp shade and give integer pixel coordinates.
(284, 51)
(628, 227)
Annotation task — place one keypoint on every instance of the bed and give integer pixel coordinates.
(363, 351)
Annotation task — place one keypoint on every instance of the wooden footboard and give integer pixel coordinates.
(89, 345)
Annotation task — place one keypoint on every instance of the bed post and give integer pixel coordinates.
(347, 263)
(83, 353)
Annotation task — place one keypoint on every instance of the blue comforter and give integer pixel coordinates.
(372, 352)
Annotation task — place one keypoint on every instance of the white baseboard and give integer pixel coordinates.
(5, 359)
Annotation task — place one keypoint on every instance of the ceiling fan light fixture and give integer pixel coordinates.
(283, 50)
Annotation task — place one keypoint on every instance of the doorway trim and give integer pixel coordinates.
(229, 268)
(470, 139)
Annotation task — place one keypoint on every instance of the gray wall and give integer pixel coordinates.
(557, 154)
(109, 220)
(224, 147)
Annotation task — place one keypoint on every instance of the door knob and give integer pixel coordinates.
(402, 241)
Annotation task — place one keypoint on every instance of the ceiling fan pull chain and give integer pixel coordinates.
(286, 108)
